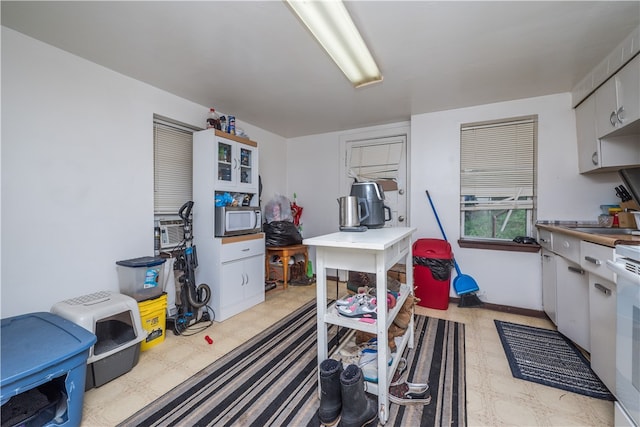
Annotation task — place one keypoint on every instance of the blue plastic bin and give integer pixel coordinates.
(43, 351)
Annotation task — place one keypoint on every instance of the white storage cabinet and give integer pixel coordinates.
(232, 266)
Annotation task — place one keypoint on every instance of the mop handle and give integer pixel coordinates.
(433, 208)
(436, 214)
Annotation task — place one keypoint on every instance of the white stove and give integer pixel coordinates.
(627, 269)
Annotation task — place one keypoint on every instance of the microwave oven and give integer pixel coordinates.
(237, 220)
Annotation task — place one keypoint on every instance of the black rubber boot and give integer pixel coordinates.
(357, 409)
(330, 396)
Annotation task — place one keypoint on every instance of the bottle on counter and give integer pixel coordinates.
(213, 119)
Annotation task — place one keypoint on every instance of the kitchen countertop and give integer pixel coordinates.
(603, 239)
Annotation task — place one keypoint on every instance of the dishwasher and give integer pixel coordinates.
(626, 266)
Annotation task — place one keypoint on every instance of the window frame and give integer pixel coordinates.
(529, 205)
(176, 172)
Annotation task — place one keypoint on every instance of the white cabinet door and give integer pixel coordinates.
(232, 286)
(602, 314)
(588, 142)
(549, 285)
(629, 92)
(617, 99)
(236, 165)
(254, 273)
(606, 107)
(573, 302)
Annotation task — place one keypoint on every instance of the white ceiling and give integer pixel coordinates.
(256, 61)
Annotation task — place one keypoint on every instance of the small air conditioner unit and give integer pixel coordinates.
(171, 233)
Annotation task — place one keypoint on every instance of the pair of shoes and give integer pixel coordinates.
(342, 396)
(406, 393)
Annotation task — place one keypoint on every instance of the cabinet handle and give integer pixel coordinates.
(593, 260)
(594, 158)
(544, 240)
(602, 289)
(575, 269)
(613, 118)
(620, 116)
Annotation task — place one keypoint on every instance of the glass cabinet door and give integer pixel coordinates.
(225, 167)
(246, 166)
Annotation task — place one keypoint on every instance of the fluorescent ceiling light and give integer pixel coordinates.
(331, 25)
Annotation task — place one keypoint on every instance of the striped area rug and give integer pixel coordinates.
(271, 380)
(546, 357)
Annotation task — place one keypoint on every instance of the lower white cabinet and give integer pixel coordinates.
(602, 310)
(233, 267)
(573, 302)
(549, 285)
(602, 313)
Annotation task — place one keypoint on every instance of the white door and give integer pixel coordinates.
(384, 160)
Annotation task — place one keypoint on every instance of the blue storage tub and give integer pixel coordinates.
(41, 351)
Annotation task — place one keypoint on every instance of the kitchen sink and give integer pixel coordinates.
(605, 230)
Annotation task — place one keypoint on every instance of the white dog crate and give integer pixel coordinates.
(115, 320)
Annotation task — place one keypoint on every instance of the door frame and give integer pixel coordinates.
(403, 129)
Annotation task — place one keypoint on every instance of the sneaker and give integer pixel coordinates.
(358, 310)
(369, 364)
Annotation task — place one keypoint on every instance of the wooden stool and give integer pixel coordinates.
(285, 252)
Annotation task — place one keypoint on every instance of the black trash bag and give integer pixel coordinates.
(440, 268)
(282, 233)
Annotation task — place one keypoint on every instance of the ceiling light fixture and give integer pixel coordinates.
(331, 24)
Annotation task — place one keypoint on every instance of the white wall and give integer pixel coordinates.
(508, 278)
(77, 182)
(77, 172)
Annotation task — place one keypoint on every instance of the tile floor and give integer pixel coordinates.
(494, 397)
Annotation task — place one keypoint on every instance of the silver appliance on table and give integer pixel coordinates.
(373, 196)
(627, 268)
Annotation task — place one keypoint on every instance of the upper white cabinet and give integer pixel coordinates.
(618, 99)
(608, 123)
(236, 165)
(595, 154)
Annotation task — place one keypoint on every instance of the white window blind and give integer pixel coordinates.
(173, 151)
(375, 161)
(497, 162)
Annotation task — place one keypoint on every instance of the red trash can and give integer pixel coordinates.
(432, 263)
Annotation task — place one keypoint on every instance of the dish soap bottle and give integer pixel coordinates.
(213, 119)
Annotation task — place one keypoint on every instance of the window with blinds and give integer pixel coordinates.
(497, 178)
(172, 165)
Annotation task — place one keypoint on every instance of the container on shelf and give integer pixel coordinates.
(141, 278)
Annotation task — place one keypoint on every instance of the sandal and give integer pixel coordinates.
(410, 394)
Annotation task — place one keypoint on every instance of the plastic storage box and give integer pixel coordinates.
(432, 263)
(141, 278)
(115, 320)
(44, 361)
